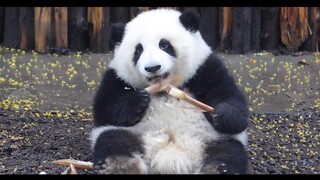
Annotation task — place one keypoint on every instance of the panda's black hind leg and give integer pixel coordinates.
(225, 157)
(118, 151)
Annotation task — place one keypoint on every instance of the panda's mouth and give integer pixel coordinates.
(158, 78)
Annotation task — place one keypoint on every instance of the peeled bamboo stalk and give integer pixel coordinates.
(178, 94)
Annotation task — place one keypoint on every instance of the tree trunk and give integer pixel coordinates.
(312, 41)
(119, 14)
(209, 25)
(175, 8)
(255, 29)
(270, 26)
(241, 29)
(293, 26)
(27, 28)
(61, 28)
(134, 11)
(43, 29)
(225, 22)
(2, 12)
(98, 19)
(144, 9)
(197, 9)
(11, 27)
(78, 34)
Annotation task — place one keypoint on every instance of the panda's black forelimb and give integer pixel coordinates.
(213, 85)
(228, 118)
(117, 103)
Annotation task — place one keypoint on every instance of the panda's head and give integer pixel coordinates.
(158, 45)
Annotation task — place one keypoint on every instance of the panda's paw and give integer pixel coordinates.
(214, 167)
(122, 165)
(138, 104)
(227, 119)
(143, 101)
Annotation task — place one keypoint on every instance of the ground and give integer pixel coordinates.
(46, 101)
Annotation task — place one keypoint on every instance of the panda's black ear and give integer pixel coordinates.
(190, 19)
(116, 34)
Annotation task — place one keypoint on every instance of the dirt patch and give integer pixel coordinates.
(30, 143)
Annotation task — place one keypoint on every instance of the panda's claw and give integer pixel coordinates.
(144, 93)
(139, 102)
(214, 167)
(222, 168)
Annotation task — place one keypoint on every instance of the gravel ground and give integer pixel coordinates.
(30, 141)
(285, 143)
(279, 143)
(45, 104)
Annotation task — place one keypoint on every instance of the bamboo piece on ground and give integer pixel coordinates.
(76, 163)
(73, 169)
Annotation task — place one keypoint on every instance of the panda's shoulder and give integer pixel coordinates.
(111, 78)
(211, 72)
(213, 65)
(214, 61)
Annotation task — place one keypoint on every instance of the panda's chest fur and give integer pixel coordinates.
(174, 134)
(167, 112)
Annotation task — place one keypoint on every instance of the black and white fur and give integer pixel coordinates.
(138, 132)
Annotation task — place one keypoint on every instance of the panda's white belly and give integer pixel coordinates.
(174, 135)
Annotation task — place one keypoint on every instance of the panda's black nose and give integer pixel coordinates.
(153, 69)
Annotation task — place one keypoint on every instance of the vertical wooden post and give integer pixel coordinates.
(314, 17)
(312, 41)
(78, 34)
(27, 28)
(134, 11)
(11, 27)
(194, 8)
(2, 12)
(119, 14)
(43, 28)
(241, 29)
(98, 19)
(293, 26)
(270, 28)
(61, 28)
(144, 8)
(225, 22)
(256, 29)
(209, 25)
(175, 8)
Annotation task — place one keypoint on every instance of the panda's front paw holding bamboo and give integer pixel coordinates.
(228, 119)
(137, 104)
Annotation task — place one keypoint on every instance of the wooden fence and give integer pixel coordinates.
(232, 29)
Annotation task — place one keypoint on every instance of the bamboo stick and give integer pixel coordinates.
(178, 94)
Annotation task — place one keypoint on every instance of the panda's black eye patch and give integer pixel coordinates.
(166, 46)
(137, 53)
(139, 49)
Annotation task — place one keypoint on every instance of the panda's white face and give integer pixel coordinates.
(157, 47)
(155, 61)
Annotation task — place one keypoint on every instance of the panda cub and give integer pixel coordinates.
(141, 133)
